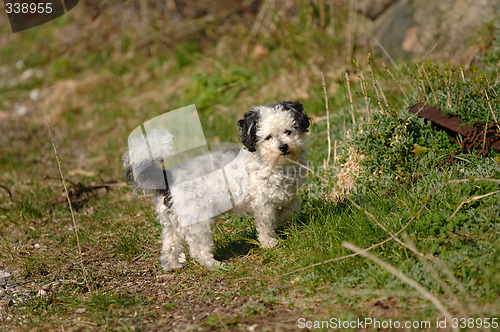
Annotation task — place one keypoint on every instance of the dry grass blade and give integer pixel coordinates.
(429, 82)
(375, 86)
(350, 98)
(335, 152)
(365, 94)
(462, 74)
(491, 108)
(421, 257)
(397, 82)
(444, 286)
(382, 94)
(414, 83)
(266, 19)
(379, 224)
(364, 89)
(403, 277)
(322, 16)
(423, 89)
(63, 181)
(475, 198)
(386, 53)
(328, 135)
(448, 91)
(350, 30)
(446, 270)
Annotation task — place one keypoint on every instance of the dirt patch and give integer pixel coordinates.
(388, 307)
(178, 301)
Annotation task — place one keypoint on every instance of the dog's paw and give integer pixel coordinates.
(169, 265)
(213, 264)
(268, 242)
(182, 258)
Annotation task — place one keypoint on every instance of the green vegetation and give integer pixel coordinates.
(393, 170)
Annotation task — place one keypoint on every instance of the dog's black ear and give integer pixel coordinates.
(248, 129)
(297, 110)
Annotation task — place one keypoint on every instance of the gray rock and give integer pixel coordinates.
(373, 8)
(442, 29)
(449, 27)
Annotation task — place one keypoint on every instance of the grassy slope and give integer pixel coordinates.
(94, 97)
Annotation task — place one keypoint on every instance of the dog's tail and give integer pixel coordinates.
(143, 161)
(129, 174)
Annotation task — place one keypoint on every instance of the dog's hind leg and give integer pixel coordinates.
(286, 213)
(172, 249)
(201, 244)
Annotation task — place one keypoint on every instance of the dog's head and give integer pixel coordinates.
(276, 131)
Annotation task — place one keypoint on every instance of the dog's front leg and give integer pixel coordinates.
(265, 220)
(284, 214)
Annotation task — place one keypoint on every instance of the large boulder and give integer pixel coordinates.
(443, 29)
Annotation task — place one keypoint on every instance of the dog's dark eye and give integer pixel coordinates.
(288, 132)
(268, 138)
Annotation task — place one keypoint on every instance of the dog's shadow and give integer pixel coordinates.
(233, 249)
(231, 243)
(234, 237)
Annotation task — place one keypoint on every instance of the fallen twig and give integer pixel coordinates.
(77, 190)
(11, 199)
(75, 227)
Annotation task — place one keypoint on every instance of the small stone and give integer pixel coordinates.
(21, 109)
(35, 94)
(27, 74)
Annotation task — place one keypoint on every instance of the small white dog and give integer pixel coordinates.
(268, 177)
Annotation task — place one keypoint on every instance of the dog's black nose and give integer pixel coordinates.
(284, 148)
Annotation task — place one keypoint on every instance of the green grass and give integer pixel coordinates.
(96, 97)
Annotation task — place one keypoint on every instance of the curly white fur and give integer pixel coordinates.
(260, 180)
